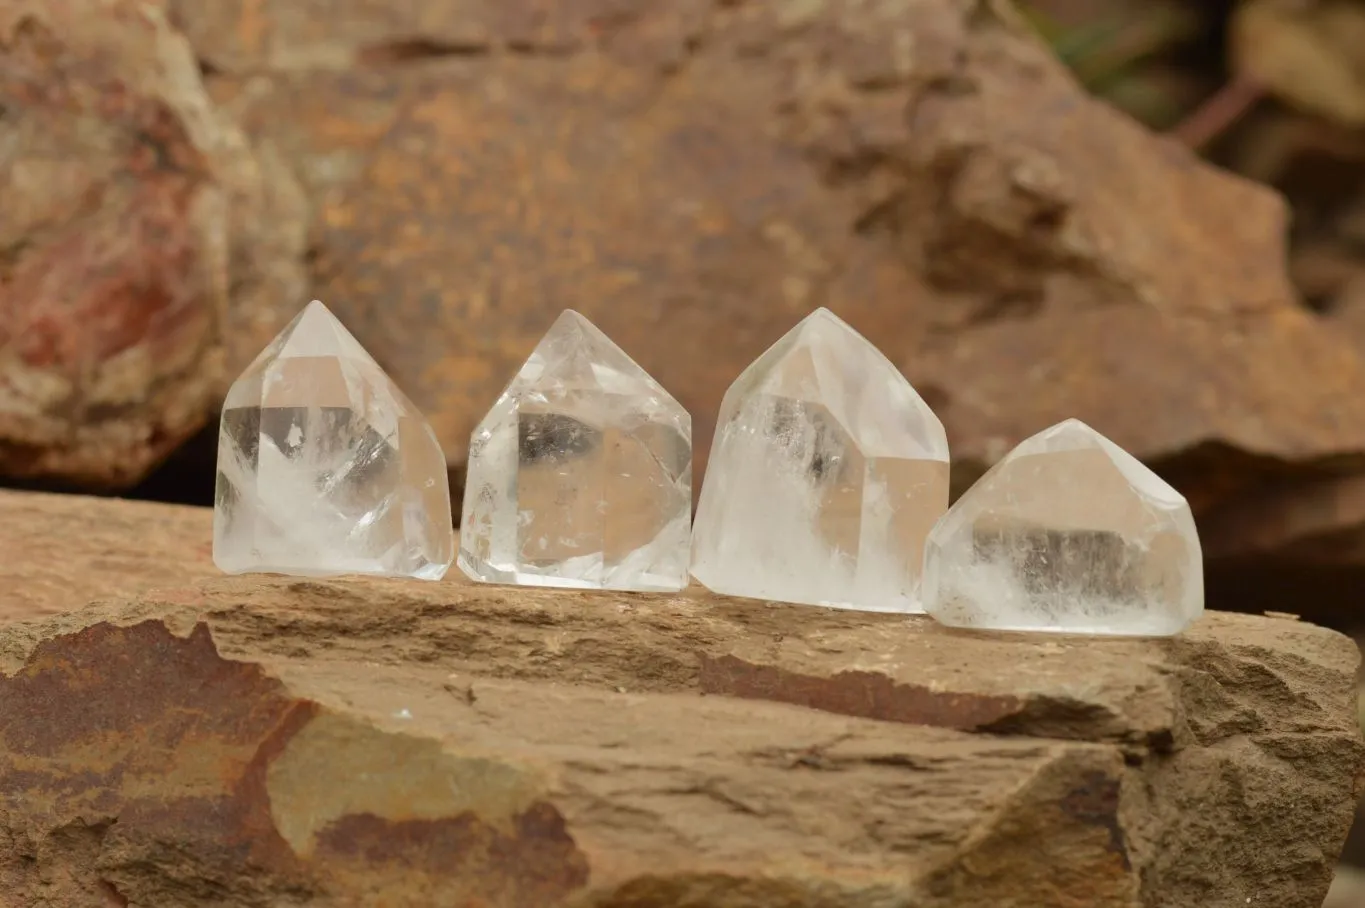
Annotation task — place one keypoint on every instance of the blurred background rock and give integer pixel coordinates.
(1181, 265)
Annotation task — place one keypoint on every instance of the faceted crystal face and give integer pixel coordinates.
(325, 467)
(1068, 533)
(581, 474)
(827, 473)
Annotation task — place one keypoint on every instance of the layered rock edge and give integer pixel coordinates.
(264, 741)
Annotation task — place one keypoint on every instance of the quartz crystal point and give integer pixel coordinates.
(827, 472)
(581, 473)
(1068, 533)
(325, 467)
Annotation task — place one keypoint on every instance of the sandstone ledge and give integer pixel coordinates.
(58, 552)
(253, 738)
(268, 741)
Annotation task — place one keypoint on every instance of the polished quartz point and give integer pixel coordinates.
(1068, 533)
(581, 473)
(827, 472)
(325, 467)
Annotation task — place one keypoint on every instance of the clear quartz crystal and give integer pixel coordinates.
(581, 473)
(1068, 533)
(827, 473)
(325, 467)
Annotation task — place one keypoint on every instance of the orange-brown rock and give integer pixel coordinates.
(260, 741)
(1313, 521)
(139, 235)
(696, 176)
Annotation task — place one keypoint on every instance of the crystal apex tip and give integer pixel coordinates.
(316, 331)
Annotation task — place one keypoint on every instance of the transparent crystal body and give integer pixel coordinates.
(325, 467)
(1068, 533)
(581, 473)
(827, 473)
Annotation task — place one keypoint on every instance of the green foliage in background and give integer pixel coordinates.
(1121, 52)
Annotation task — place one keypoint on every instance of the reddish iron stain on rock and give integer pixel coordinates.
(534, 863)
(65, 684)
(172, 696)
(141, 290)
(119, 304)
(864, 694)
(123, 267)
(98, 752)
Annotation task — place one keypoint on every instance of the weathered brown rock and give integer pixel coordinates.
(261, 741)
(1298, 531)
(57, 552)
(1303, 530)
(696, 176)
(139, 233)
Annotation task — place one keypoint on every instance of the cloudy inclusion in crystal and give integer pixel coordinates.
(826, 474)
(581, 473)
(1068, 533)
(325, 467)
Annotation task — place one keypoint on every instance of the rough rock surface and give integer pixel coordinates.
(266, 741)
(1309, 524)
(141, 244)
(695, 176)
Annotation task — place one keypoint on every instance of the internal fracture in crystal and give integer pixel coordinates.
(827, 472)
(325, 467)
(581, 473)
(1068, 533)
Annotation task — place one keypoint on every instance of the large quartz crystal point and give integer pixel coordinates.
(827, 472)
(581, 473)
(325, 467)
(1068, 533)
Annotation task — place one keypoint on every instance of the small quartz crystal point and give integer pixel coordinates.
(325, 467)
(1069, 533)
(581, 474)
(827, 473)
